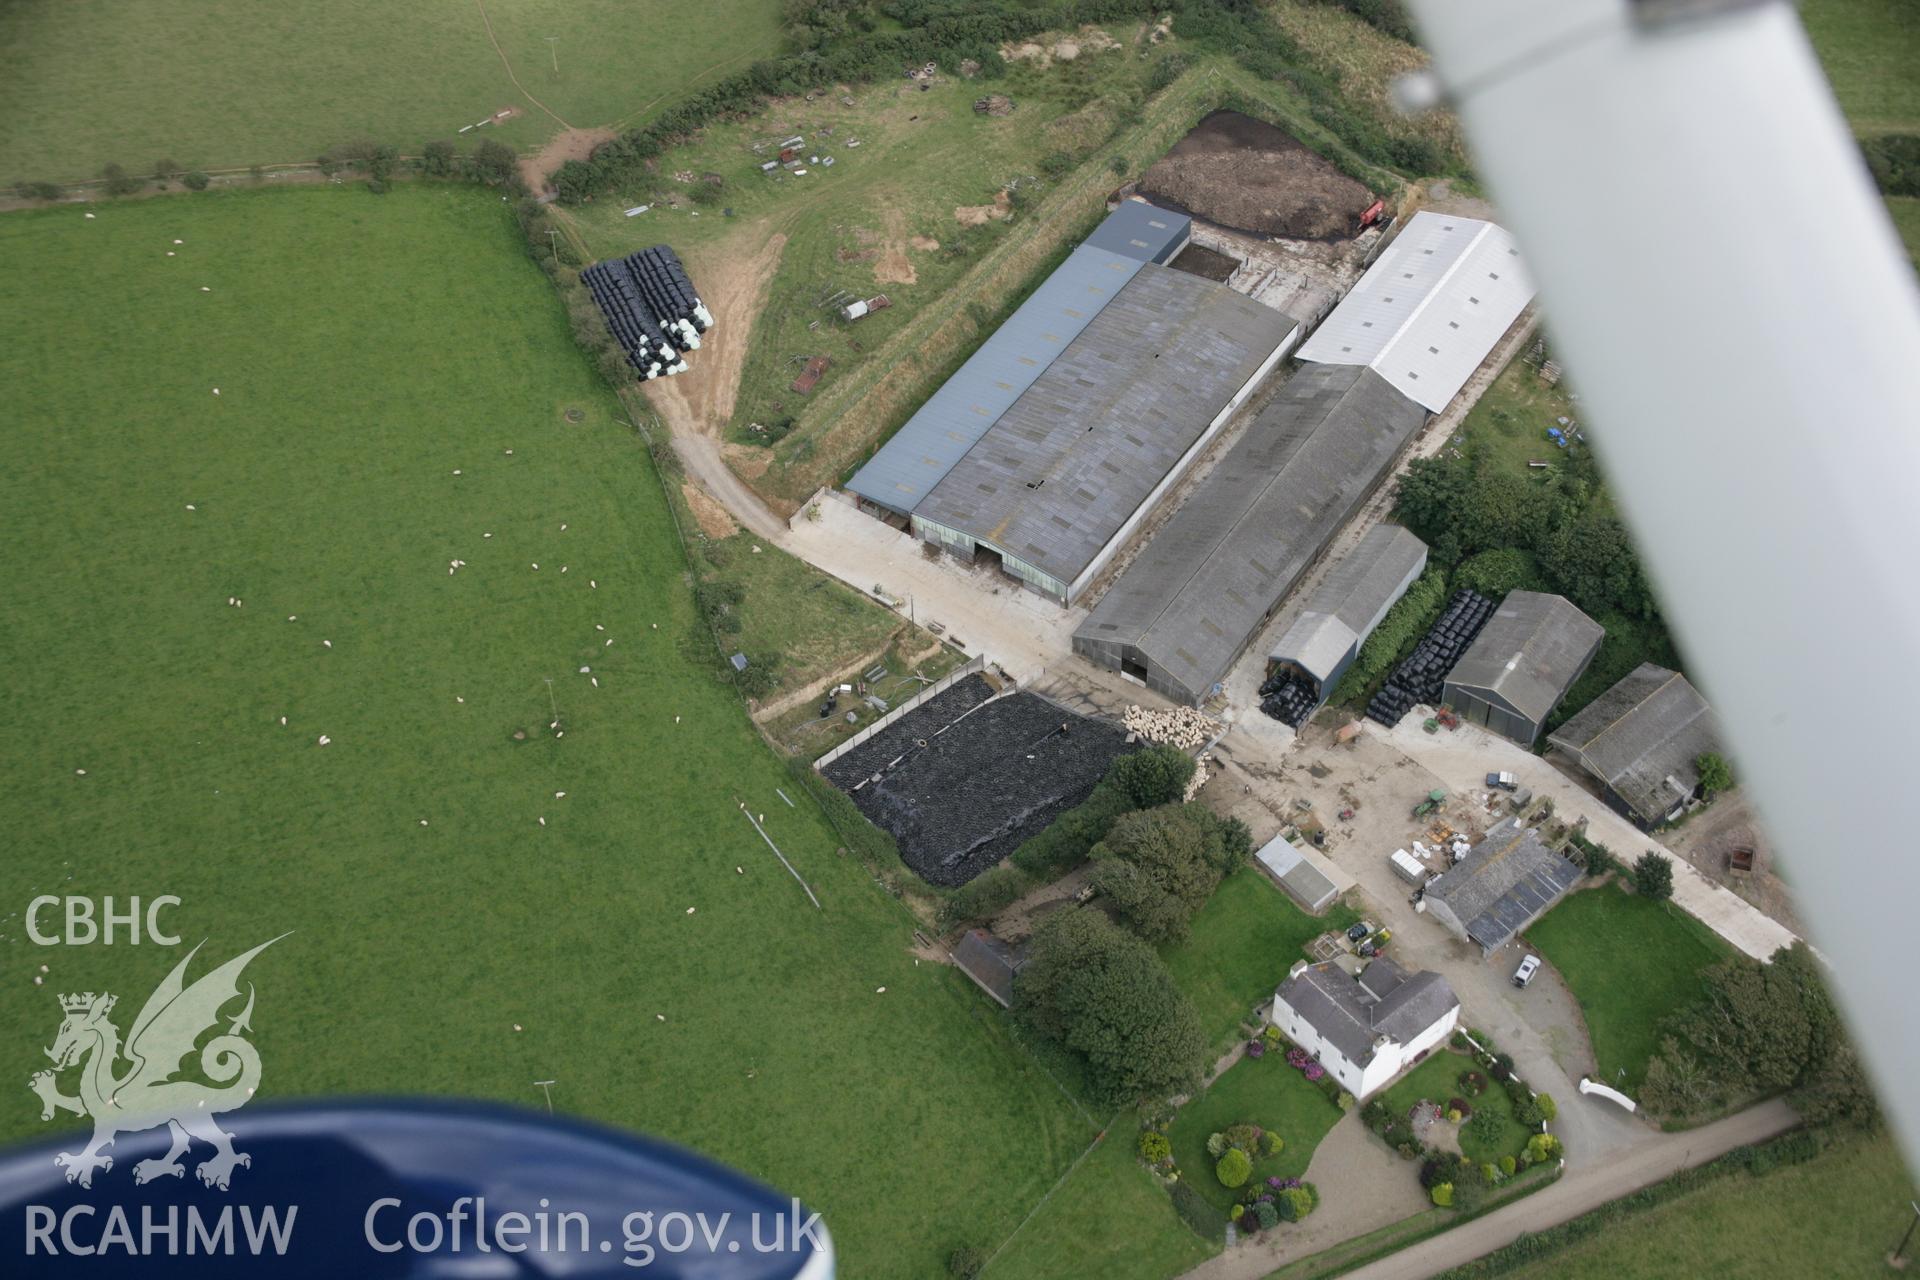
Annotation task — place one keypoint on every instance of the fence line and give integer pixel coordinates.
(976, 663)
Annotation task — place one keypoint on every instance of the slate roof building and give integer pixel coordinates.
(991, 963)
(1365, 1030)
(1522, 663)
(1500, 886)
(1192, 600)
(1430, 308)
(1640, 740)
(962, 410)
(1061, 480)
(1349, 603)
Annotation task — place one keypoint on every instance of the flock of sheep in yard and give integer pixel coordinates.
(1182, 728)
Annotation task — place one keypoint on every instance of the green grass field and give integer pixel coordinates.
(1263, 1091)
(1870, 49)
(393, 376)
(1437, 1080)
(1630, 963)
(880, 219)
(1240, 948)
(225, 84)
(1839, 1215)
(1109, 1219)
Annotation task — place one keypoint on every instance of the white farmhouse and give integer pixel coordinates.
(1365, 1029)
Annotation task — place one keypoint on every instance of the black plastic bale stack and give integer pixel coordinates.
(1288, 698)
(651, 308)
(1421, 676)
(629, 318)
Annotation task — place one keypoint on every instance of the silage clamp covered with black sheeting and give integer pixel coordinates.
(651, 308)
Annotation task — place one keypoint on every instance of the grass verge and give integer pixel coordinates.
(1630, 963)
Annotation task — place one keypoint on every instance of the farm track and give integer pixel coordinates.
(524, 92)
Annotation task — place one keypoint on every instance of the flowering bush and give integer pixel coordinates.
(1314, 1071)
(1256, 1048)
(1297, 1058)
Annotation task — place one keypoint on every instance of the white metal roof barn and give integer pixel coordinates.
(1430, 309)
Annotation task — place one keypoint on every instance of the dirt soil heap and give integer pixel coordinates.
(1244, 174)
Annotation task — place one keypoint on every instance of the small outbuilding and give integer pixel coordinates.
(1641, 741)
(1308, 885)
(1365, 1029)
(1349, 603)
(1522, 663)
(991, 962)
(1500, 886)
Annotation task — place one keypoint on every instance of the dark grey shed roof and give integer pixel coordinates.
(966, 405)
(990, 962)
(1073, 458)
(1641, 738)
(1351, 1018)
(1205, 583)
(1352, 598)
(1503, 882)
(1533, 647)
(1143, 231)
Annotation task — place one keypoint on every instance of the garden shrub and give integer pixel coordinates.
(1436, 1170)
(1508, 1165)
(1271, 1143)
(1489, 1172)
(1201, 1218)
(196, 181)
(1542, 1147)
(1376, 1116)
(1154, 1147)
(1345, 1101)
(1244, 1136)
(1234, 1168)
(1453, 1117)
(1483, 1128)
(1294, 1203)
(1216, 1145)
(1442, 1194)
(1256, 1048)
(1502, 1068)
(1267, 1214)
(1528, 1112)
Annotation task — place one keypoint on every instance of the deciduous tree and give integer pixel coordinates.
(1104, 995)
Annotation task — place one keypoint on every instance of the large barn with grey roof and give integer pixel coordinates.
(1642, 741)
(1522, 663)
(1052, 443)
(1188, 605)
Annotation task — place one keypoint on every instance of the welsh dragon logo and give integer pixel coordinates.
(146, 1093)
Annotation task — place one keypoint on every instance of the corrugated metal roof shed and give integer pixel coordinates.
(1194, 597)
(954, 418)
(1530, 652)
(1430, 308)
(1642, 738)
(1070, 462)
(1140, 230)
(1502, 883)
(1351, 600)
(1301, 878)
